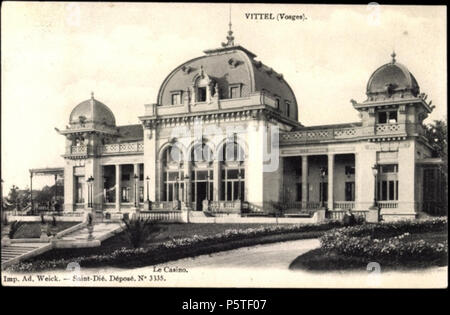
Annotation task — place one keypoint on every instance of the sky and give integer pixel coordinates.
(55, 54)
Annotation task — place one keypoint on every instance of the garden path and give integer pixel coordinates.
(275, 255)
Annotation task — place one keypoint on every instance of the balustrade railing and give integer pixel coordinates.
(233, 206)
(113, 148)
(344, 205)
(164, 205)
(79, 149)
(388, 204)
(341, 133)
(122, 147)
(339, 214)
(387, 129)
(161, 216)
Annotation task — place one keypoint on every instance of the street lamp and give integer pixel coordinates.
(186, 183)
(147, 205)
(322, 176)
(135, 190)
(56, 191)
(177, 187)
(375, 174)
(90, 180)
(148, 180)
(31, 191)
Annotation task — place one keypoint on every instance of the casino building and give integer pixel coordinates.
(224, 137)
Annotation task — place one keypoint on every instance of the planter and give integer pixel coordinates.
(53, 230)
(44, 231)
(6, 241)
(205, 205)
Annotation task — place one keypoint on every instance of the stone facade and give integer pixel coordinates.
(225, 130)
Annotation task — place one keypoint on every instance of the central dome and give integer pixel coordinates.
(227, 67)
(92, 111)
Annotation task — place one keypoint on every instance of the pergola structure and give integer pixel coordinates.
(55, 171)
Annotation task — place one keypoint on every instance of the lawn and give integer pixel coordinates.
(323, 259)
(33, 229)
(175, 241)
(166, 233)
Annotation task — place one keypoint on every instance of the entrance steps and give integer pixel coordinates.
(15, 252)
(18, 250)
(80, 237)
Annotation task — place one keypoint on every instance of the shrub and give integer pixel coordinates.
(5, 220)
(138, 231)
(14, 227)
(386, 240)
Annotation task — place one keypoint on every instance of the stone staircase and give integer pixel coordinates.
(16, 252)
(80, 237)
(20, 250)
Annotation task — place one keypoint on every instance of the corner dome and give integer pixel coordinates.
(92, 111)
(392, 79)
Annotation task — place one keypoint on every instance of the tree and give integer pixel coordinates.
(44, 196)
(137, 231)
(13, 198)
(436, 133)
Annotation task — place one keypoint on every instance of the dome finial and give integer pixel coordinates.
(393, 56)
(230, 37)
(92, 95)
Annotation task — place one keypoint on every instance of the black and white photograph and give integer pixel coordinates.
(223, 145)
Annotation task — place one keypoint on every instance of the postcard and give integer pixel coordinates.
(224, 145)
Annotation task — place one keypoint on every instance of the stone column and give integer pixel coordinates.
(216, 180)
(304, 179)
(255, 165)
(69, 187)
(118, 177)
(97, 186)
(187, 172)
(330, 181)
(150, 163)
(364, 179)
(406, 177)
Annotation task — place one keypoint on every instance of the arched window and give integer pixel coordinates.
(172, 173)
(172, 154)
(232, 152)
(201, 174)
(232, 172)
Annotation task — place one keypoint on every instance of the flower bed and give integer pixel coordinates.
(387, 240)
(182, 247)
(387, 243)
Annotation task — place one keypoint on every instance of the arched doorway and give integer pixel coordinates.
(201, 174)
(232, 160)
